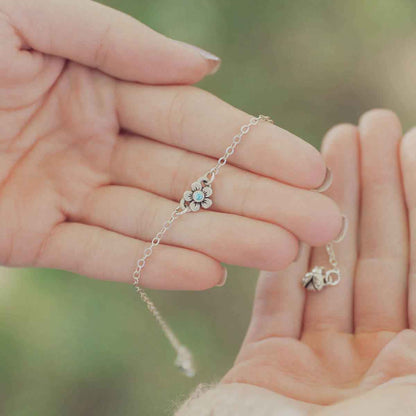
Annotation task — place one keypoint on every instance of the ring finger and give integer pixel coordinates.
(381, 281)
(332, 309)
(227, 238)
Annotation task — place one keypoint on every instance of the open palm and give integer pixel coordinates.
(94, 155)
(324, 347)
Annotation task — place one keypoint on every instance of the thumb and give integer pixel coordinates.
(100, 37)
(396, 397)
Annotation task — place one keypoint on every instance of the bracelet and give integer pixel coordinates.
(195, 198)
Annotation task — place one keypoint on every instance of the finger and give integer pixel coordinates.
(169, 171)
(102, 254)
(279, 302)
(381, 279)
(408, 163)
(227, 238)
(100, 37)
(332, 309)
(195, 120)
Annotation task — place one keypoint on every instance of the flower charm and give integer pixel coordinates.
(198, 196)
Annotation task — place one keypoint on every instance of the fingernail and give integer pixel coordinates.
(327, 181)
(213, 61)
(223, 279)
(343, 231)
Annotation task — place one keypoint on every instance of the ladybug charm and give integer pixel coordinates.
(314, 280)
(318, 278)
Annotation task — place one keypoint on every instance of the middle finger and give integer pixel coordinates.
(169, 171)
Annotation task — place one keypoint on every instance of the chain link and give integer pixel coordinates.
(331, 254)
(333, 276)
(330, 246)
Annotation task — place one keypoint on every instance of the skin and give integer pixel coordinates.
(101, 134)
(333, 351)
(95, 148)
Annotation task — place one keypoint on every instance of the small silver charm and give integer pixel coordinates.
(318, 278)
(314, 280)
(198, 196)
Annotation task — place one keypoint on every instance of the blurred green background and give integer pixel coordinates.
(72, 346)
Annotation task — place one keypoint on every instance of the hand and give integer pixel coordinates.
(324, 347)
(93, 160)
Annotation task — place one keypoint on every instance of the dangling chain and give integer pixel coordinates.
(318, 277)
(331, 254)
(192, 201)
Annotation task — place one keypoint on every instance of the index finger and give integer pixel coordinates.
(100, 37)
(195, 120)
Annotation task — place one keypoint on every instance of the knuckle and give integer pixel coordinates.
(181, 176)
(245, 193)
(97, 132)
(184, 101)
(176, 113)
(147, 222)
(92, 245)
(102, 46)
(89, 122)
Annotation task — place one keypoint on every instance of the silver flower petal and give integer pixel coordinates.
(196, 186)
(187, 196)
(206, 203)
(195, 206)
(207, 191)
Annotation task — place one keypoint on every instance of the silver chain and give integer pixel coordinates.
(331, 254)
(184, 357)
(236, 141)
(330, 248)
(333, 276)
